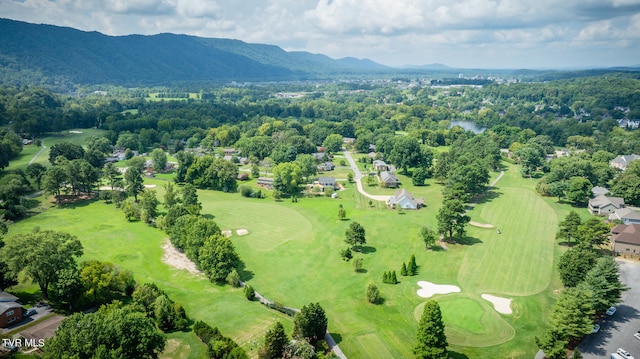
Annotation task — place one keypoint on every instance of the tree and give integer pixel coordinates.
(190, 199)
(452, 218)
(531, 157)
(310, 323)
(569, 226)
(133, 182)
(68, 289)
(249, 292)
(575, 263)
(333, 143)
(148, 205)
(299, 349)
(53, 181)
(419, 175)
(412, 268)
(341, 213)
(163, 313)
(104, 281)
(431, 339)
(170, 195)
(275, 341)
(41, 255)
(593, 231)
(357, 264)
(113, 176)
(573, 313)
(372, 293)
(403, 270)
(99, 143)
(355, 235)
(217, 258)
(287, 177)
(68, 150)
(159, 159)
(111, 332)
(552, 343)
(604, 283)
(406, 153)
(428, 236)
(36, 171)
(579, 190)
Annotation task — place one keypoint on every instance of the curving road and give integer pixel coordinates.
(357, 178)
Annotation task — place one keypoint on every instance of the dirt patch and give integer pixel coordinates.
(429, 289)
(501, 305)
(242, 232)
(108, 188)
(481, 225)
(177, 259)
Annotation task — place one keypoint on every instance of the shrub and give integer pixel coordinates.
(233, 279)
(246, 191)
(249, 292)
(373, 294)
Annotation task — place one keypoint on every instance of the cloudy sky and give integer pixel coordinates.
(459, 33)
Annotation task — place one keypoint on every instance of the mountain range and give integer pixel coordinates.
(62, 54)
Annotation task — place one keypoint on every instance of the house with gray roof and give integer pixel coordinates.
(621, 162)
(599, 191)
(404, 199)
(602, 205)
(388, 179)
(380, 165)
(327, 182)
(626, 215)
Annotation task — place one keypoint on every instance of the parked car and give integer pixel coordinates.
(611, 311)
(623, 353)
(29, 312)
(637, 336)
(596, 328)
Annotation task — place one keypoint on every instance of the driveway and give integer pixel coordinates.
(617, 330)
(358, 177)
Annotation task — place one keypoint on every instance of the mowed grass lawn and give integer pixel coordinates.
(291, 255)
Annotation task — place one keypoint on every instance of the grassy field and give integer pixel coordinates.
(291, 255)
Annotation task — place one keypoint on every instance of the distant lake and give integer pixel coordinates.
(468, 126)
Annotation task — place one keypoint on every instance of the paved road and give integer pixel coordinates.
(357, 178)
(38, 154)
(617, 331)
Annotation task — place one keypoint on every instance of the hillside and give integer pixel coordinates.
(46, 54)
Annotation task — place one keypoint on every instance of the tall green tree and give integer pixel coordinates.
(431, 341)
(452, 218)
(575, 263)
(310, 323)
(275, 341)
(148, 204)
(158, 159)
(36, 171)
(355, 235)
(133, 182)
(41, 255)
(217, 258)
(68, 150)
(569, 226)
(603, 280)
(593, 231)
(573, 313)
(428, 236)
(54, 180)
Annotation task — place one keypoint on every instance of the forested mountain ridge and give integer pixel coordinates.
(46, 54)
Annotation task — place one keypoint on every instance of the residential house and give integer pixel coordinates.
(625, 239)
(626, 215)
(599, 191)
(621, 162)
(326, 166)
(602, 205)
(388, 179)
(327, 182)
(265, 182)
(380, 165)
(10, 314)
(7, 297)
(405, 200)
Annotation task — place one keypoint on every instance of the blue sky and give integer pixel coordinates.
(465, 33)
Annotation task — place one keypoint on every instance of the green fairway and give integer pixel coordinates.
(519, 261)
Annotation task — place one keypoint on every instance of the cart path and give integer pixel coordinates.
(38, 154)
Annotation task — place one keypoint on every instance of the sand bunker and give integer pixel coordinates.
(227, 233)
(481, 225)
(73, 131)
(428, 289)
(150, 186)
(242, 232)
(176, 259)
(501, 305)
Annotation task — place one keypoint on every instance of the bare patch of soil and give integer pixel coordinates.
(177, 259)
